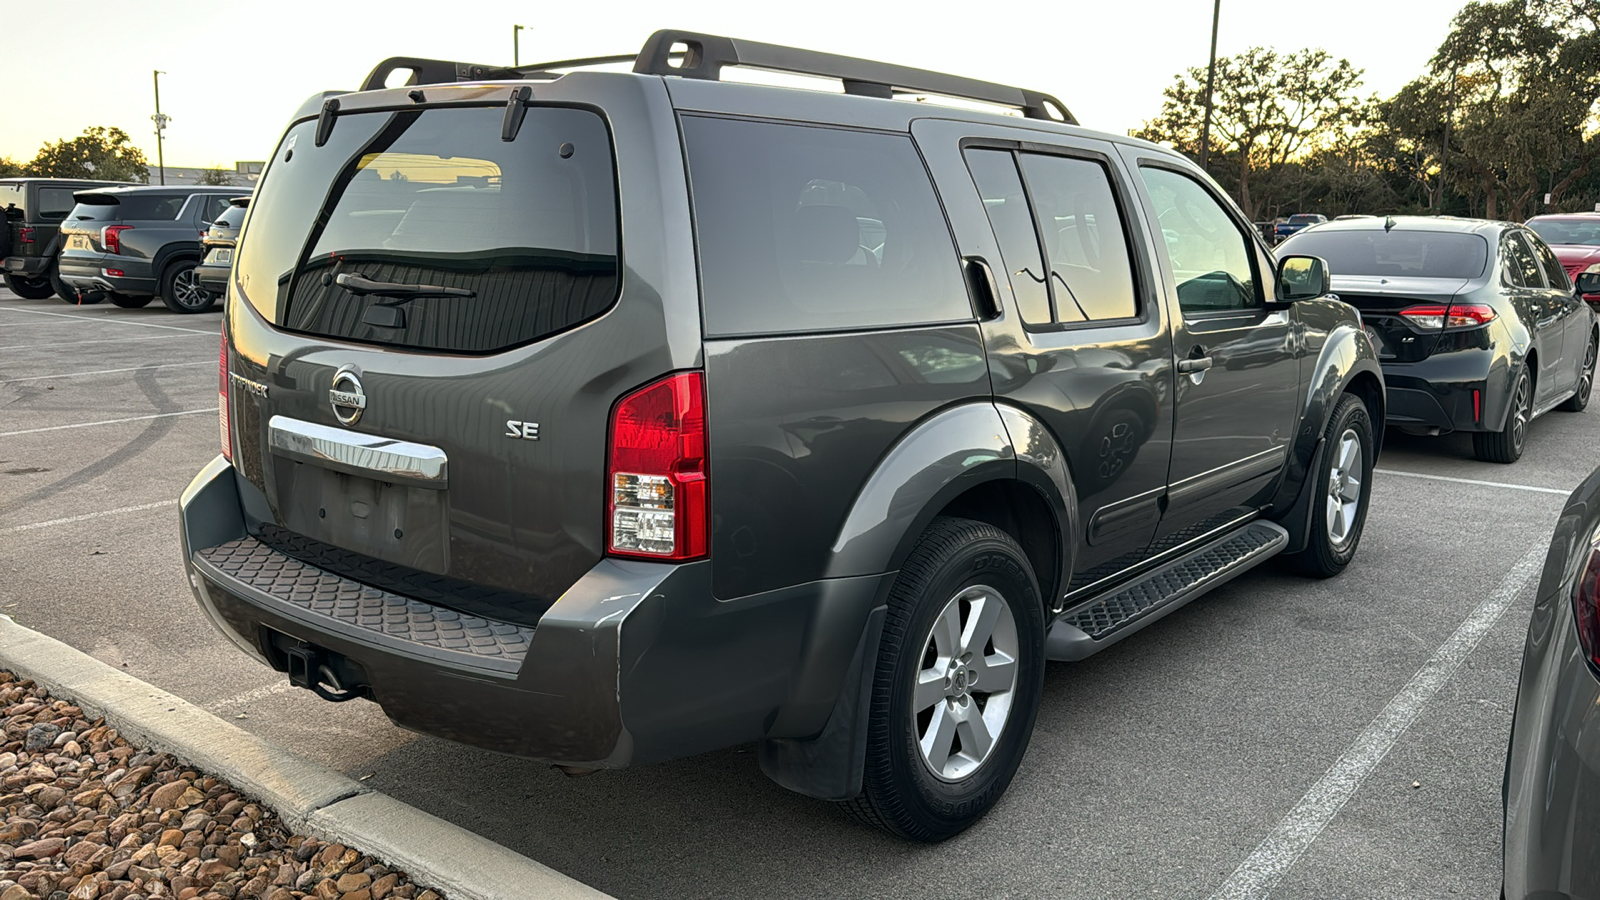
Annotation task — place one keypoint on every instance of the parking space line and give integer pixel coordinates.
(105, 371)
(1498, 484)
(187, 412)
(1296, 831)
(159, 337)
(14, 529)
(105, 318)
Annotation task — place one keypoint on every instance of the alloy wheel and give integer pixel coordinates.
(1344, 488)
(1586, 377)
(1521, 406)
(965, 683)
(187, 291)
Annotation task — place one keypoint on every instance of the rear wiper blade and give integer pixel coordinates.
(355, 284)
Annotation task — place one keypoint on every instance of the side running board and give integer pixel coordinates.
(1084, 630)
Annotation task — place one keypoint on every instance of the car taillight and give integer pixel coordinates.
(111, 237)
(24, 235)
(1438, 317)
(224, 403)
(1586, 605)
(656, 471)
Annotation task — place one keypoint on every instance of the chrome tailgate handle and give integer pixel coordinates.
(368, 455)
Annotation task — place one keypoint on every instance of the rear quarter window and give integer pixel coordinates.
(812, 229)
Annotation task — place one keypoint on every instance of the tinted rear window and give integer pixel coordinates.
(231, 217)
(1418, 254)
(13, 194)
(809, 229)
(1304, 220)
(434, 197)
(148, 207)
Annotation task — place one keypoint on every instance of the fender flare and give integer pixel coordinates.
(173, 251)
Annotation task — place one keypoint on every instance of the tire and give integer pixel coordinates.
(128, 302)
(1343, 483)
(181, 292)
(29, 288)
(1580, 400)
(959, 571)
(1506, 445)
(63, 290)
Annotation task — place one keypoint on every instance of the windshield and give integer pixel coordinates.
(1398, 254)
(1568, 231)
(434, 197)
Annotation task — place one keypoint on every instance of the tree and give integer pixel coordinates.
(103, 153)
(217, 176)
(9, 167)
(1269, 109)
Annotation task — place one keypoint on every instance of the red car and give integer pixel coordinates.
(1575, 238)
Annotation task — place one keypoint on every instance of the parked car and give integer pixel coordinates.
(872, 428)
(133, 244)
(33, 209)
(1298, 223)
(1575, 239)
(1477, 324)
(1552, 781)
(217, 247)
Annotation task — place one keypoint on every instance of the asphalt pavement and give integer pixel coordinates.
(1343, 738)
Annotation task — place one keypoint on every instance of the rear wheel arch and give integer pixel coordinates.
(1022, 511)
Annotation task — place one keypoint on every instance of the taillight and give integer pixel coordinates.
(1437, 317)
(111, 237)
(224, 401)
(1586, 605)
(24, 235)
(656, 471)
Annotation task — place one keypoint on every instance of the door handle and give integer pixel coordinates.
(1194, 364)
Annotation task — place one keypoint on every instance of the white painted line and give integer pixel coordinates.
(159, 337)
(106, 318)
(1296, 831)
(15, 529)
(187, 412)
(105, 372)
(1498, 484)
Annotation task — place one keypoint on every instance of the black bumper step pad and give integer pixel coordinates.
(488, 644)
(1239, 550)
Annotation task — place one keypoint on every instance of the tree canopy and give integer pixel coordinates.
(102, 153)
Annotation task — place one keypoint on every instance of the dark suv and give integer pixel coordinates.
(33, 209)
(609, 417)
(134, 244)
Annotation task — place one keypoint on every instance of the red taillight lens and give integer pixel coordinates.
(656, 472)
(111, 237)
(1437, 317)
(1586, 605)
(25, 235)
(224, 401)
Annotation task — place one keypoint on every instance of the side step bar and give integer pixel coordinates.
(1092, 626)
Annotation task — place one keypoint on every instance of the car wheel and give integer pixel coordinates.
(957, 685)
(1344, 485)
(67, 292)
(1505, 445)
(181, 291)
(1580, 399)
(29, 288)
(129, 302)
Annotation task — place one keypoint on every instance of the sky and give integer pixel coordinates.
(236, 70)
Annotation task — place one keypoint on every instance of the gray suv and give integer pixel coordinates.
(133, 244)
(605, 418)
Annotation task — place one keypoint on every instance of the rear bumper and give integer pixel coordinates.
(636, 662)
(1451, 392)
(27, 265)
(212, 278)
(91, 272)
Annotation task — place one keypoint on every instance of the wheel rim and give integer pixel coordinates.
(966, 680)
(1586, 377)
(1344, 488)
(186, 290)
(1519, 412)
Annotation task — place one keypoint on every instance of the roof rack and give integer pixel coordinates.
(433, 71)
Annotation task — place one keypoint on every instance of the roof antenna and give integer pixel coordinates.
(1388, 223)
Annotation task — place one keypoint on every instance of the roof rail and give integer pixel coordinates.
(704, 56)
(433, 71)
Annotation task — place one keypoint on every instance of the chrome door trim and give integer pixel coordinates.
(367, 455)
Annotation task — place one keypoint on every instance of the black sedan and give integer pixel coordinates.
(1552, 784)
(1478, 327)
(217, 247)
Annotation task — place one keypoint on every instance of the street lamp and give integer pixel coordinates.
(161, 128)
(1211, 79)
(516, 49)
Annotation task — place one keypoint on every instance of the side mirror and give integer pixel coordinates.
(1303, 278)
(1587, 283)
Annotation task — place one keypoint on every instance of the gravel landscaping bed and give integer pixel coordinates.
(86, 815)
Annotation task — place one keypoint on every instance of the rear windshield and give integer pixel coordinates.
(126, 207)
(435, 198)
(1304, 220)
(13, 197)
(1417, 254)
(231, 217)
(1568, 231)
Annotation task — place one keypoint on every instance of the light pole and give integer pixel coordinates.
(1211, 80)
(161, 128)
(516, 48)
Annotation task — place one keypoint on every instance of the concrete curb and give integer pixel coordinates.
(310, 798)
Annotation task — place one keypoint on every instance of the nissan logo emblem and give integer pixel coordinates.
(346, 396)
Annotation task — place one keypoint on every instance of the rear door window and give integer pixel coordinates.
(1091, 271)
(434, 198)
(1520, 264)
(1553, 272)
(813, 229)
(1006, 202)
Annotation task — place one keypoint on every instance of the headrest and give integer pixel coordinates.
(824, 234)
